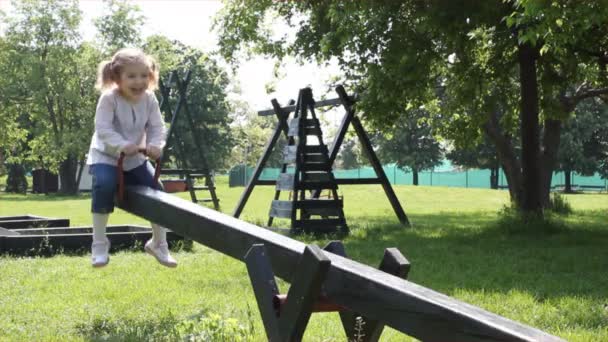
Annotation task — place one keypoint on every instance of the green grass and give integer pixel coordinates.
(556, 282)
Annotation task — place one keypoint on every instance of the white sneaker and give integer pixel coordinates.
(100, 253)
(160, 250)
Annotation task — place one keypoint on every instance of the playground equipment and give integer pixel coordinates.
(187, 175)
(324, 162)
(312, 172)
(31, 221)
(324, 280)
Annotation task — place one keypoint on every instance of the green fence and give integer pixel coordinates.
(240, 175)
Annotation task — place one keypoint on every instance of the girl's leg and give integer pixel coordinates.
(157, 246)
(144, 175)
(100, 222)
(103, 189)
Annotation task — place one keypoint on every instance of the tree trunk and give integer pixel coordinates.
(67, 174)
(16, 181)
(507, 158)
(551, 139)
(568, 181)
(415, 177)
(531, 200)
(494, 178)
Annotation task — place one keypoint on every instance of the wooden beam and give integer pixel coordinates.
(281, 127)
(407, 307)
(264, 288)
(368, 150)
(345, 181)
(289, 109)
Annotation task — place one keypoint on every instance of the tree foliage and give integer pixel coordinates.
(47, 77)
(581, 145)
(502, 68)
(410, 144)
(119, 27)
(481, 155)
(207, 104)
(46, 88)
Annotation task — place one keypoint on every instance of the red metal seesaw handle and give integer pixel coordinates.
(121, 176)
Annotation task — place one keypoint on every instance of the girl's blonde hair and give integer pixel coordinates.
(109, 71)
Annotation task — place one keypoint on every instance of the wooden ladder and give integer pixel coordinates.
(312, 173)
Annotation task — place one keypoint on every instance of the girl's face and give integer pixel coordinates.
(134, 80)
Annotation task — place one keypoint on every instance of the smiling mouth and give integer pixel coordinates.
(137, 90)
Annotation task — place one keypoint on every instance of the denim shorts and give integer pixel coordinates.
(105, 184)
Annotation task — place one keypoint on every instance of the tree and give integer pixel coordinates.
(120, 27)
(48, 77)
(505, 67)
(597, 145)
(410, 144)
(579, 151)
(13, 136)
(350, 154)
(43, 35)
(251, 137)
(480, 156)
(207, 102)
(16, 181)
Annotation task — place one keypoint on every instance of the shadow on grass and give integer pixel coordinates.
(451, 252)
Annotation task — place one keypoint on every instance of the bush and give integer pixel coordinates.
(513, 221)
(559, 205)
(16, 181)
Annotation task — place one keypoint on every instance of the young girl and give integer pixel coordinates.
(127, 118)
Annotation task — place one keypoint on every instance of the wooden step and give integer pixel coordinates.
(318, 203)
(310, 122)
(202, 188)
(321, 207)
(198, 175)
(310, 127)
(315, 167)
(316, 131)
(306, 185)
(315, 149)
(324, 212)
(316, 176)
(315, 157)
(286, 180)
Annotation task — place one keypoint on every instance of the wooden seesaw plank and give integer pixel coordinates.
(405, 306)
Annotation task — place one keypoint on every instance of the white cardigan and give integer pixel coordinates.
(119, 122)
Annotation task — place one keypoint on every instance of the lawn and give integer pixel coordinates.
(556, 282)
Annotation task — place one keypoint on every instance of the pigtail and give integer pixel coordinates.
(154, 73)
(105, 76)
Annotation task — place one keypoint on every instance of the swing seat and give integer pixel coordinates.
(175, 185)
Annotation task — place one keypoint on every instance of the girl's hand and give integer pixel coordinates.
(130, 149)
(153, 152)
